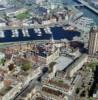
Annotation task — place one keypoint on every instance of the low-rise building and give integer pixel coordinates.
(15, 11)
(60, 83)
(77, 64)
(61, 64)
(2, 23)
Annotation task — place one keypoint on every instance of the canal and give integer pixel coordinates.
(87, 12)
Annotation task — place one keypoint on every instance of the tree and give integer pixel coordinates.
(51, 66)
(11, 67)
(93, 65)
(61, 81)
(2, 62)
(77, 90)
(26, 66)
(91, 98)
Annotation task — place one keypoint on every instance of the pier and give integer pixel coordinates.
(64, 22)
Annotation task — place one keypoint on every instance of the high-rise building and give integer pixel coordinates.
(93, 41)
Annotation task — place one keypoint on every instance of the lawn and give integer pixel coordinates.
(22, 16)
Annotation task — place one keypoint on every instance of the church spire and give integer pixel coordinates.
(52, 41)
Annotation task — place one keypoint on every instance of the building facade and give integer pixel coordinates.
(77, 64)
(93, 41)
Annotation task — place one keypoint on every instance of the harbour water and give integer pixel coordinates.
(58, 32)
(87, 12)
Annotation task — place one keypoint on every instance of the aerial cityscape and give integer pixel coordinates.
(48, 49)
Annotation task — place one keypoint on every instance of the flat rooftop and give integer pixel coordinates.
(63, 62)
(60, 84)
(52, 91)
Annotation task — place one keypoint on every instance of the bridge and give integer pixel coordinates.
(88, 5)
(78, 5)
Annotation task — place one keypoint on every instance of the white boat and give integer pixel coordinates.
(45, 30)
(85, 18)
(15, 33)
(48, 30)
(69, 28)
(38, 31)
(25, 33)
(35, 30)
(2, 35)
